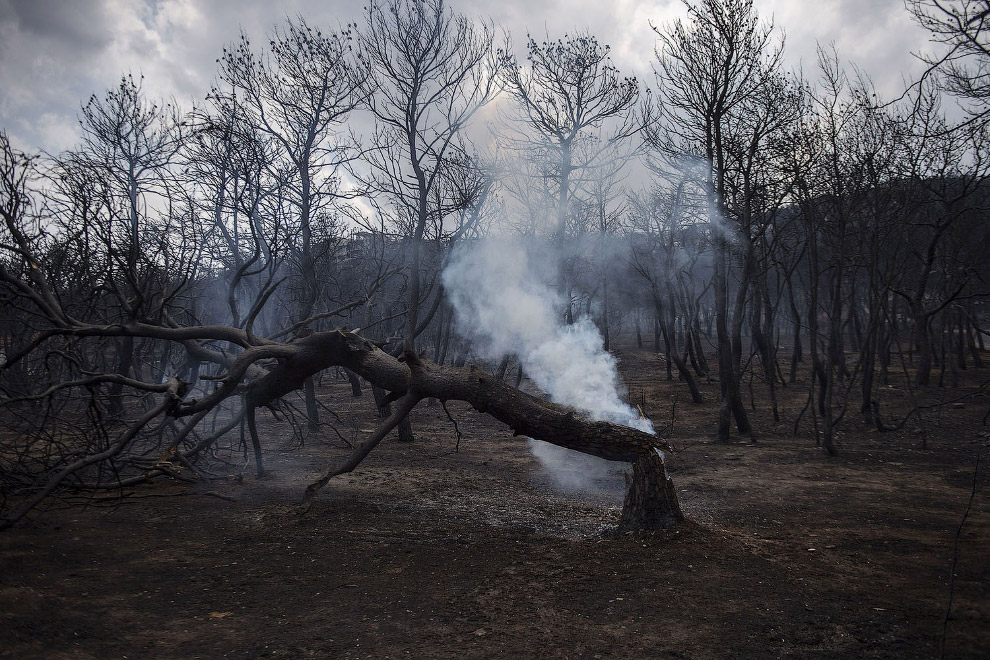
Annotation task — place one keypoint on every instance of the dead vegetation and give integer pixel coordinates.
(461, 549)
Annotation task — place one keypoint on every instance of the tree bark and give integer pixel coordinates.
(651, 502)
(355, 382)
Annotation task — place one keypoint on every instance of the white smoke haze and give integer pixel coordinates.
(575, 473)
(573, 368)
(503, 303)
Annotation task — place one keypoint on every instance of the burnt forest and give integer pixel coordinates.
(411, 338)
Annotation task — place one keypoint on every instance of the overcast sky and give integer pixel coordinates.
(55, 53)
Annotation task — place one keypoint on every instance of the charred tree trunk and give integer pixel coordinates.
(761, 319)
(797, 350)
(503, 367)
(651, 501)
(672, 355)
(312, 409)
(606, 334)
(971, 340)
(124, 367)
(667, 348)
(438, 334)
(960, 338)
(445, 344)
(405, 430)
(692, 310)
(923, 342)
(255, 439)
(384, 406)
(355, 382)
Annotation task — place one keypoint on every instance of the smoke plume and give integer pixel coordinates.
(505, 306)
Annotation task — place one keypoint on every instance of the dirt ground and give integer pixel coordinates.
(428, 552)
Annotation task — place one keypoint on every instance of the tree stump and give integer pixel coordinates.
(651, 501)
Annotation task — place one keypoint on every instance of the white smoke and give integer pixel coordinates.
(503, 303)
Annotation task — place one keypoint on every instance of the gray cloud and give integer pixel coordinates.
(80, 25)
(877, 36)
(54, 54)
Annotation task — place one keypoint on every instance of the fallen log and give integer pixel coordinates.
(651, 502)
(265, 371)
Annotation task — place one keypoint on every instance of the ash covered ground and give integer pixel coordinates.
(428, 552)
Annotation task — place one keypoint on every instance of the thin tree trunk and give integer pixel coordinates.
(355, 382)
(312, 409)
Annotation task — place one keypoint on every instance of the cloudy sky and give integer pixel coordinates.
(55, 53)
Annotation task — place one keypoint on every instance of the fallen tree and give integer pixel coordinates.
(265, 371)
(101, 377)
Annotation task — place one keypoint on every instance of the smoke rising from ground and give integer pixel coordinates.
(504, 304)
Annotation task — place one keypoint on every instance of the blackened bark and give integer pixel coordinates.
(797, 351)
(312, 409)
(673, 358)
(255, 440)
(523, 413)
(124, 367)
(355, 382)
(651, 501)
(503, 366)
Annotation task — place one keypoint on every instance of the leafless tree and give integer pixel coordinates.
(962, 29)
(430, 70)
(948, 171)
(298, 94)
(664, 257)
(576, 119)
(708, 69)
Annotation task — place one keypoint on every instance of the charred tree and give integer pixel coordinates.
(260, 374)
(651, 502)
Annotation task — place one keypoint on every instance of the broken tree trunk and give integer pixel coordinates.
(267, 371)
(651, 502)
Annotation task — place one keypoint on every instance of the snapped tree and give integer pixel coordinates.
(74, 446)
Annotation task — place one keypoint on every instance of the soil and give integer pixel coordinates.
(440, 549)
